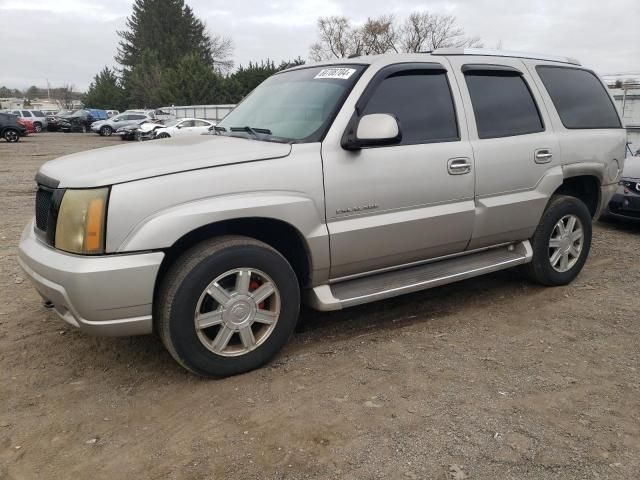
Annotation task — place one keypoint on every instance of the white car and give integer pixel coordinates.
(183, 127)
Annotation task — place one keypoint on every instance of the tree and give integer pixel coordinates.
(106, 92)
(144, 83)
(32, 92)
(421, 31)
(169, 28)
(191, 82)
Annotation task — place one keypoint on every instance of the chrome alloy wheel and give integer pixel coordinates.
(237, 312)
(565, 243)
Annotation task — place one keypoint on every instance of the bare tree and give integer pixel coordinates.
(423, 31)
(221, 51)
(337, 39)
(378, 35)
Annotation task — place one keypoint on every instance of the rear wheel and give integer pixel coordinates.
(227, 306)
(106, 131)
(11, 135)
(561, 242)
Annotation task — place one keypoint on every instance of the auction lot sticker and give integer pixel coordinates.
(339, 73)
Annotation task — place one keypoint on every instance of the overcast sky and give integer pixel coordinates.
(68, 41)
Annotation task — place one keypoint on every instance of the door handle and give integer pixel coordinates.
(458, 166)
(543, 155)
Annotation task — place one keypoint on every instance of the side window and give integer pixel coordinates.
(187, 124)
(502, 104)
(200, 123)
(422, 102)
(579, 97)
(38, 113)
(137, 117)
(26, 113)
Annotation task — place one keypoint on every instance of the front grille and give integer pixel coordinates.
(43, 207)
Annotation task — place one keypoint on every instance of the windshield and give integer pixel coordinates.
(295, 105)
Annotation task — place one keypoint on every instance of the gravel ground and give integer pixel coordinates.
(491, 378)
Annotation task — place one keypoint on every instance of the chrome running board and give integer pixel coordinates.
(398, 282)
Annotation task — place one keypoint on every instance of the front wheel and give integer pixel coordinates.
(37, 127)
(106, 131)
(561, 242)
(163, 135)
(227, 306)
(11, 135)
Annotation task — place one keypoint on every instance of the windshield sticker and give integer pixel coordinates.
(339, 73)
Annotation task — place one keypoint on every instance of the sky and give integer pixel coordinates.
(69, 41)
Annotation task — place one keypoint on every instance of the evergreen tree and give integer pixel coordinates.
(105, 92)
(168, 27)
(144, 83)
(191, 82)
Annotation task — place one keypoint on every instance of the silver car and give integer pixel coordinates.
(110, 125)
(333, 184)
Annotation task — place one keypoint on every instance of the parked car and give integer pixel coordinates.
(338, 183)
(625, 203)
(142, 130)
(53, 120)
(28, 125)
(78, 121)
(37, 117)
(111, 113)
(107, 127)
(184, 127)
(10, 129)
(97, 113)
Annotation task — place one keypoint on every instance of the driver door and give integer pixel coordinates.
(393, 205)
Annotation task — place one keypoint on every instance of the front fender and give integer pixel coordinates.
(164, 228)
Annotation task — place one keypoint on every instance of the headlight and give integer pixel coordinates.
(81, 221)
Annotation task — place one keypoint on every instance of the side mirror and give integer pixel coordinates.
(374, 130)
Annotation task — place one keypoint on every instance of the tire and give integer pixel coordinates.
(11, 135)
(184, 291)
(37, 127)
(163, 135)
(548, 234)
(106, 131)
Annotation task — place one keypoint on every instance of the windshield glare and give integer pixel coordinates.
(295, 105)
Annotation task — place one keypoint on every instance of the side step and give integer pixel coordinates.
(411, 279)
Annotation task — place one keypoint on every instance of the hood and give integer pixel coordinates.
(123, 163)
(631, 168)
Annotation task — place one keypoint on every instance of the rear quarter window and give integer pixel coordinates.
(579, 97)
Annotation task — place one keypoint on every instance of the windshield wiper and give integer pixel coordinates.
(251, 130)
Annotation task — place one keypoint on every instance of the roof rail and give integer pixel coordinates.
(504, 53)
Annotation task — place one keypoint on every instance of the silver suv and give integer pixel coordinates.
(337, 184)
(37, 117)
(106, 127)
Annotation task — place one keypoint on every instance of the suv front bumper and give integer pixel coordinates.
(102, 295)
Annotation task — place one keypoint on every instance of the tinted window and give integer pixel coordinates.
(422, 102)
(502, 104)
(38, 113)
(579, 97)
(137, 117)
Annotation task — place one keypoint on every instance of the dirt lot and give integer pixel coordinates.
(492, 378)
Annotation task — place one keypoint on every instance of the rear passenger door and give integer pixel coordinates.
(513, 144)
(392, 205)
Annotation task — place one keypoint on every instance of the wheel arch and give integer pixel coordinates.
(584, 186)
(280, 235)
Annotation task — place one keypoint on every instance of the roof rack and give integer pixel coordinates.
(504, 53)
